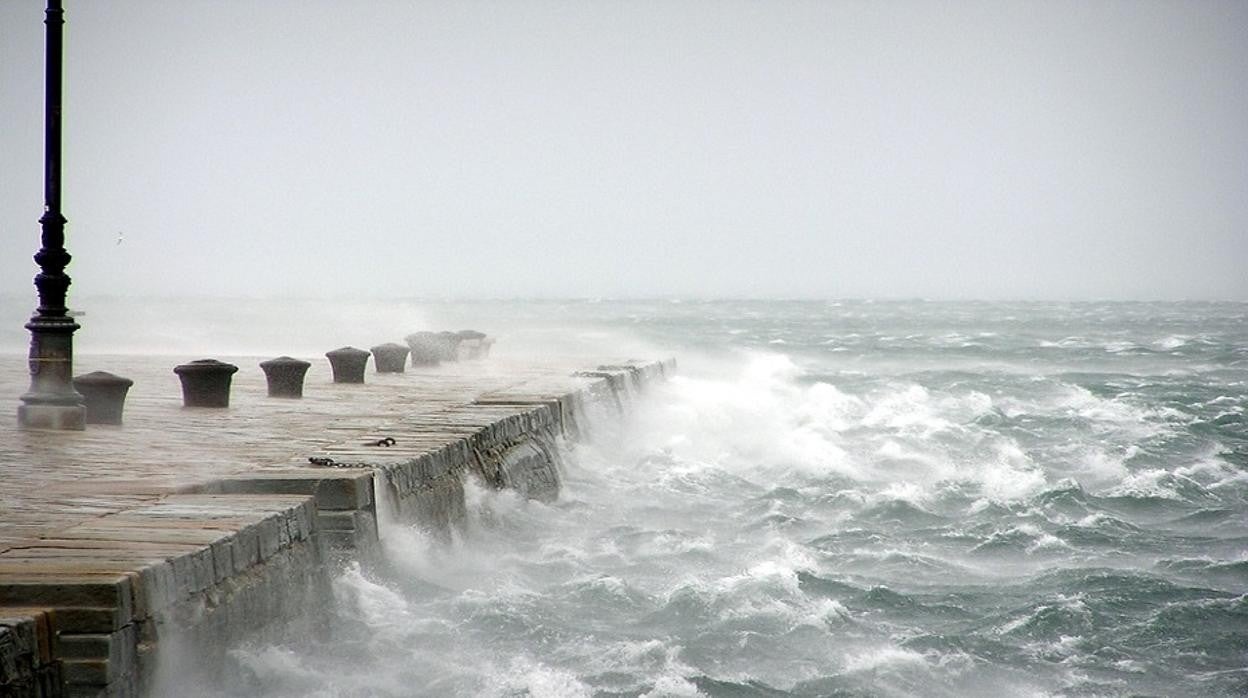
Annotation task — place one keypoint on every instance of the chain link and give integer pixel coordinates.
(325, 462)
(331, 463)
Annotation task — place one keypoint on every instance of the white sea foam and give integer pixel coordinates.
(761, 419)
(375, 604)
(766, 423)
(524, 676)
(1119, 346)
(887, 657)
(753, 523)
(672, 687)
(825, 612)
(1172, 342)
(1158, 483)
(283, 667)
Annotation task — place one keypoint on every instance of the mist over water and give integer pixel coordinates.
(837, 498)
(242, 326)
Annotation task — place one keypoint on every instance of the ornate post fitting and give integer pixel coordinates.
(52, 402)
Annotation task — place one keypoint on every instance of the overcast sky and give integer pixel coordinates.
(825, 149)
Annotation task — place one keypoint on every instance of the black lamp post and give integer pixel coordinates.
(52, 402)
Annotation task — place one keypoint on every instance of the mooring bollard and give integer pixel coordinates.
(471, 344)
(390, 357)
(206, 383)
(285, 376)
(425, 347)
(104, 395)
(449, 346)
(348, 364)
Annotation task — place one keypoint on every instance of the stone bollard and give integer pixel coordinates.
(448, 346)
(425, 348)
(206, 383)
(390, 357)
(348, 364)
(285, 376)
(104, 395)
(471, 344)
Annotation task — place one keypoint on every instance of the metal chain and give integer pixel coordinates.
(323, 462)
(331, 463)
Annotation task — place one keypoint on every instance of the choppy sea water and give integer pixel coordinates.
(840, 499)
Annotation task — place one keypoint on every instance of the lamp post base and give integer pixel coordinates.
(51, 402)
(59, 417)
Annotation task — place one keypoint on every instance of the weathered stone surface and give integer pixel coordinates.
(91, 672)
(426, 348)
(530, 470)
(331, 488)
(104, 396)
(269, 602)
(348, 364)
(26, 666)
(245, 549)
(390, 358)
(270, 538)
(473, 344)
(285, 375)
(448, 348)
(206, 382)
(88, 620)
(98, 658)
(341, 520)
(60, 587)
(199, 529)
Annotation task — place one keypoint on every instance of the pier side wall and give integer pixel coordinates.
(516, 449)
(27, 669)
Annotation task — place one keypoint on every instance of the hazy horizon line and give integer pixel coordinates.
(813, 298)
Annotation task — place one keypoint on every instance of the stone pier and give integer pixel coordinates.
(196, 528)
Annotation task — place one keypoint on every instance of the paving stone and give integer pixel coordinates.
(63, 588)
(245, 548)
(118, 648)
(91, 672)
(270, 537)
(87, 620)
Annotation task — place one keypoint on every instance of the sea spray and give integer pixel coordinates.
(958, 500)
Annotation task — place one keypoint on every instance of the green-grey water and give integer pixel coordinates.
(840, 499)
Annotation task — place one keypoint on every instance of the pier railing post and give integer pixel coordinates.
(52, 402)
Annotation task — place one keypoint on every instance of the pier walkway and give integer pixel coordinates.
(206, 522)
